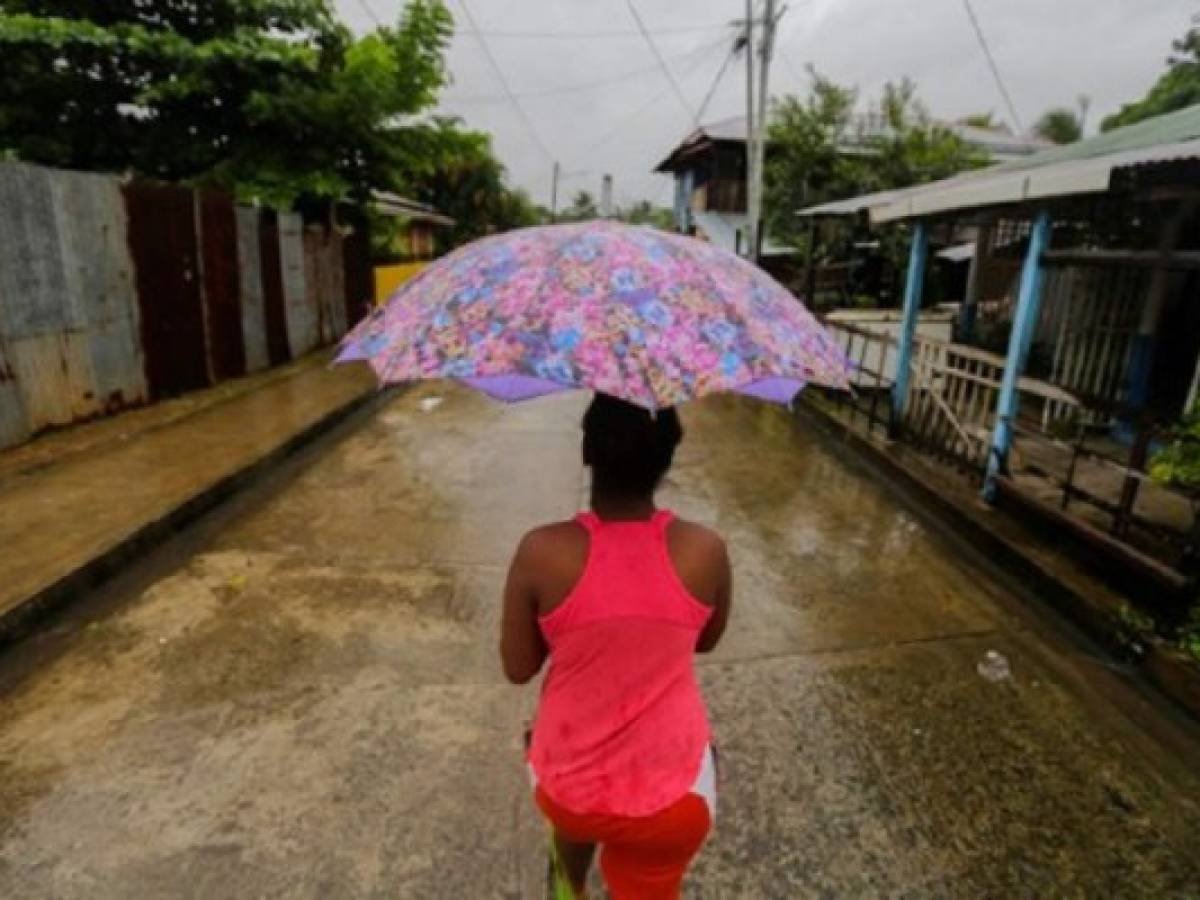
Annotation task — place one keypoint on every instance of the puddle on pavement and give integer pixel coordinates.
(308, 669)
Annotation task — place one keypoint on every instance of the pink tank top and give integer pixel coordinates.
(621, 727)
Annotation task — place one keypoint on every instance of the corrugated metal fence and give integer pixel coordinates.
(116, 293)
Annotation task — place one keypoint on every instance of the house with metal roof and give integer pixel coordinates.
(709, 167)
(1078, 346)
(413, 240)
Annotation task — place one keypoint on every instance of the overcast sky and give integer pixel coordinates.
(599, 103)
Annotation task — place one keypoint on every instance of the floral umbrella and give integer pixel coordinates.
(650, 317)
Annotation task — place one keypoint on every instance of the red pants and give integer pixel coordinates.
(641, 858)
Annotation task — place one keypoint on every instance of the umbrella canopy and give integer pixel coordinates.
(652, 318)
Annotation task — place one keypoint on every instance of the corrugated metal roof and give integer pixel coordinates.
(849, 207)
(1081, 168)
(389, 204)
(1000, 144)
(996, 140)
(1173, 128)
(731, 129)
(1001, 186)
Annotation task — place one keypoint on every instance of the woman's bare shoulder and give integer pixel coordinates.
(555, 552)
(700, 559)
(551, 540)
(696, 538)
(551, 558)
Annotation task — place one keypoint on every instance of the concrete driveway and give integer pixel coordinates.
(301, 697)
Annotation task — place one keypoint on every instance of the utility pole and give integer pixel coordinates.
(758, 150)
(750, 133)
(606, 197)
(554, 193)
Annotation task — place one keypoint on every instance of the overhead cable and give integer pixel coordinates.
(520, 110)
(603, 33)
(716, 82)
(614, 131)
(583, 85)
(991, 60)
(662, 63)
(371, 14)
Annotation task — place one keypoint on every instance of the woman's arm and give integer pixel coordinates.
(722, 599)
(522, 648)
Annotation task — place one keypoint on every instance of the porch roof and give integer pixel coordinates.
(850, 206)
(395, 206)
(1085, 167)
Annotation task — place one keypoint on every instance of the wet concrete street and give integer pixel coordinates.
(301, 697)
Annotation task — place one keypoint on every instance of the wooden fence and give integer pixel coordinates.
(1089, 317)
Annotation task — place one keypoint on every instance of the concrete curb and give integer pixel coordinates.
(1164, 666)
(22, 619)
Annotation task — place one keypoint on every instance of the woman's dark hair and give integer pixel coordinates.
(628, 448)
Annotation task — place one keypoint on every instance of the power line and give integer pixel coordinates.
(991, 60)
(712, 89)
(662, 62)
(642, 184)
(583, 85)
(369, 10)
(613, 131)
(605, 33)
(787, 64)
(487, 51)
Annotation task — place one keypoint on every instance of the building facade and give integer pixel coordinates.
(709, 168)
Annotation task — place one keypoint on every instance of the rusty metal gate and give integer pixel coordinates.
(323, 280)
(222, 287)
(272, 285)
(162, 241)
(358, 279)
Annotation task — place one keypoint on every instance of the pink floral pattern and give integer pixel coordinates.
(653, 318)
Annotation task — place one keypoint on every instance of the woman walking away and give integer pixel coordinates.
(620, 598)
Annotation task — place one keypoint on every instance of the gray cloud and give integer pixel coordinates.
(1049, 51)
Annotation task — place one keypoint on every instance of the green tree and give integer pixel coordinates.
(1178, 462)
(582, 208)
(272, 97)
(981, 120)
(912, 148)
(804, 166)
(1059, 125)
(1176, 88)
(469, 185)
(646, 213)
(817, 153)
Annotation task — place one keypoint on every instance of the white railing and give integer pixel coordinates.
(952, 389)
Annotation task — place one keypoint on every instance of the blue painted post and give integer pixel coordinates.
(913, 283)
(1029, 299)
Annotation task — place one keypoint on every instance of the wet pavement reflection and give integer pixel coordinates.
(306, 702)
